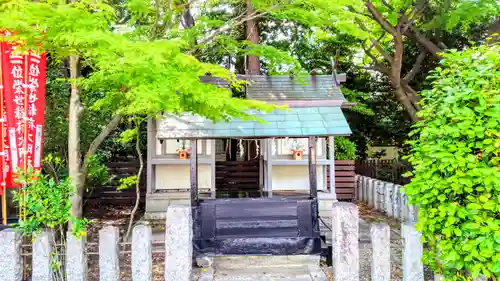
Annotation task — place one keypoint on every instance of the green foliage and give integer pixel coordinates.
(344, 149)
(97, 172)
(45, 205)
(127, 183)
(132, 77)
(455, 157)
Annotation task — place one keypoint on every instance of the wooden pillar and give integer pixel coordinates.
(150, 169)
(313, 179)
(261, 166)
(193, 163)
(269, 168)
(331, 152)
(213, 166)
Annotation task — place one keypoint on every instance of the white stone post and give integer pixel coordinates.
(10, 255)
(381, 257)
(109, 262)
(379, 195)
(360, 188)
(42, 257)
(179, 243)
(413, 269)
(404, 207)
(389, 208)
(142, 259)
(76, 259)
(366, 190)
(396, 201)
(345, 243)
(371, 193)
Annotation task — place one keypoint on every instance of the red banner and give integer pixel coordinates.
(35, 108)
(13, 96)
(23, 97)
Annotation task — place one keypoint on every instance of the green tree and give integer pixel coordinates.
(455, 156)
(130, 77)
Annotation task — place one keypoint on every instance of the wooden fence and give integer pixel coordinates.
(109, 194)
(344, 179)
(234, 176)
(385, 170)
(179, 251)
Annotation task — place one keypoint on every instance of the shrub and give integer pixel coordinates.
(455, 155)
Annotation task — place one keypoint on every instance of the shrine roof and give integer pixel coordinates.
(290, 90)
(292, 122)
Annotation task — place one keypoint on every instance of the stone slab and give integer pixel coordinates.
(142, 260)
(345, 242)
(179, 241)
(76, 259)
(10, 258)
(109, 262)
(42, 257)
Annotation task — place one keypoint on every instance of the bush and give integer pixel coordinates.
(455, 156)
(344, 149)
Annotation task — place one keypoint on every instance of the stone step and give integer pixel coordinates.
(298, 273)
(239, 262)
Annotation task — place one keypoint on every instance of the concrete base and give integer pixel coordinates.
(325, 204)
(265, 268)
(157, 203)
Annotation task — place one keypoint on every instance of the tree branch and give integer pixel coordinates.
(233, 23)
(379, 18)
(383, 52)
(414, 35)
(110, 127)
(416, 67)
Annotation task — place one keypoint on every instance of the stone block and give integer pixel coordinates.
(381, 247)
(109, 262)
(76, 259)
(371, 193)
(389, 189)
(413, 269)
(396, 198)
(366, 192)
(142, 259)
(42, 256)
(178, 243)
(10, 257)
(345, 242)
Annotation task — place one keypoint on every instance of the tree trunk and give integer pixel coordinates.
(137, 184)
(74, 157)
(252, 35)
(396, 67)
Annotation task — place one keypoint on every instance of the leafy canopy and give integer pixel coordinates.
(132, 76)
(456, 162)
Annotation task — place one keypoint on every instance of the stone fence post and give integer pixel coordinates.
(345, 243)
(413, 269)
(142, 260)
(42, 256)
(179, 243)
(76, 259)
(109, 262)
(381, 252)
(10, 256)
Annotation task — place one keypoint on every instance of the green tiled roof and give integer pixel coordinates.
(276, 88)
(294, 122)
